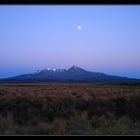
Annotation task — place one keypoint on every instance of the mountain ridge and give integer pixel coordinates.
(74, 74)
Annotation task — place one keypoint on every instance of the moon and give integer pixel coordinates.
(79, 27)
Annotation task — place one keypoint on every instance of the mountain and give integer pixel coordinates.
(72, 75)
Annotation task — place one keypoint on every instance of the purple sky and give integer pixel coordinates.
(38, 37)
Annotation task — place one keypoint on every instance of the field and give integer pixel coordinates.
(69, 109)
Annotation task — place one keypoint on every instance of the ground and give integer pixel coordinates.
(69, 109)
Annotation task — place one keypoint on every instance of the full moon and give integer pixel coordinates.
(79, 27)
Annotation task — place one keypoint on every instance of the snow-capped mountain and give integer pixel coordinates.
(72, 75)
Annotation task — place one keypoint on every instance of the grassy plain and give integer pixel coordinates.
(69, 109)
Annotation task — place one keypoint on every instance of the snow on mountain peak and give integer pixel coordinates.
(54, 69)
(74, 67)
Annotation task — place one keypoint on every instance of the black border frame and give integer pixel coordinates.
(71, 2)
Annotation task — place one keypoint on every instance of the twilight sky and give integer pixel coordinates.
(97, 38)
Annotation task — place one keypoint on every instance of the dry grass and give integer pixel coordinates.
(69, 109)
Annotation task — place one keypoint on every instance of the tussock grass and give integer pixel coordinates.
(69, 109)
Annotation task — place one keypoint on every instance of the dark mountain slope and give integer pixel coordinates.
(72, 75)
